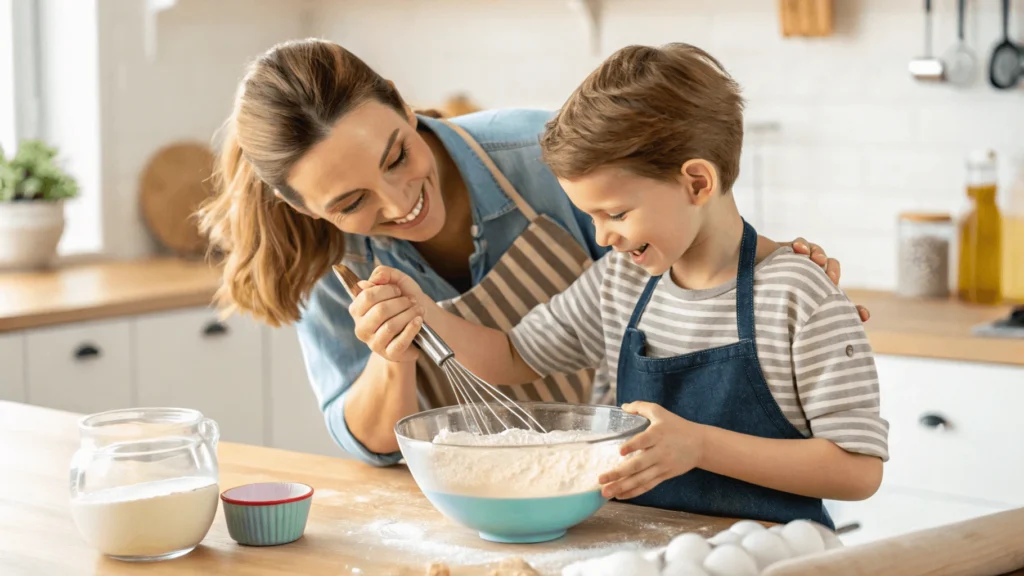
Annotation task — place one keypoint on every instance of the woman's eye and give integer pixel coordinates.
(353, 206)
(402, 156)
(618, 216)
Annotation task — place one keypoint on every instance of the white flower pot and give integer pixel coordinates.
(29, 233)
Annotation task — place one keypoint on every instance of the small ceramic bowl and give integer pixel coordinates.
(267, 513)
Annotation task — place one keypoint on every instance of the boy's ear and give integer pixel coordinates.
(700, 179)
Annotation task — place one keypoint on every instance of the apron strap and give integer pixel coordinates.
(641, 304)
(745, 284)
(503, 182)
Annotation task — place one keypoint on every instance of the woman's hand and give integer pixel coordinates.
(388, 314)
(831, 265)
(669, 447)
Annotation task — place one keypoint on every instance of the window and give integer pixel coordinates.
(18, 118)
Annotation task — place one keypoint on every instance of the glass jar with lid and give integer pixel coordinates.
(925, 241)
(144, 482)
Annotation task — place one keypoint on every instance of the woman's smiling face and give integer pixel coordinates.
(373, 175)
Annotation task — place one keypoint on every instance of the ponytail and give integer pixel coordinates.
(272, 256)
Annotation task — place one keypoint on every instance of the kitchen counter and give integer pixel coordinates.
(363, 520)
(923, 328)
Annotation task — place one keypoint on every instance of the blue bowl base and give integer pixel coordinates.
(528, 539)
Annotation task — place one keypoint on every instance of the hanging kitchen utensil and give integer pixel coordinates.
(960, 60)
(173, 184)
(1005, 66)
(927, 67)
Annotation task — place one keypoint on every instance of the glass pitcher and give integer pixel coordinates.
(144, 482)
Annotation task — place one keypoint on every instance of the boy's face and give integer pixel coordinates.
(653, 220)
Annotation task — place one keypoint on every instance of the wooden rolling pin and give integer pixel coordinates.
(990, 545)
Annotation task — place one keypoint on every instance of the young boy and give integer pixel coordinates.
(753, 368)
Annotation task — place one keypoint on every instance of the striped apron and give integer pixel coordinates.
(543, 261)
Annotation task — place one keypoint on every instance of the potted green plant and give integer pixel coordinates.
(33, 188)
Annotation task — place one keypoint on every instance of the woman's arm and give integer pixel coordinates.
(361, 395)
(382, 395)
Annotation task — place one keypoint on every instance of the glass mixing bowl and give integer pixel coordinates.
(517, 493)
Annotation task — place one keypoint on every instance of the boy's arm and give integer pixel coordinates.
(560, 336)
(485, 352)
(837, 387)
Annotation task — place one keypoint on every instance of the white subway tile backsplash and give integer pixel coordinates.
(858, 139)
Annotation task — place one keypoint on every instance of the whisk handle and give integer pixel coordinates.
(432, 345)
(427, 340)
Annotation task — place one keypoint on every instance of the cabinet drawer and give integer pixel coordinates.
(12, 367)
(954, 427)
(296, 420)
(83, 367)
(189, 359)
(893, 511)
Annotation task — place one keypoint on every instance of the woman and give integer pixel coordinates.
(323, 162)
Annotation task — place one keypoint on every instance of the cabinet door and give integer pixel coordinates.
(84, 367)
(12, 367)
(296, 421)
(954, 427)
(189, 359)
(893, 511)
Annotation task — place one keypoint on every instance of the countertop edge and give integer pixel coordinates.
(105, 311)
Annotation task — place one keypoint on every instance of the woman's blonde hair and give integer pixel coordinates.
(288, 101)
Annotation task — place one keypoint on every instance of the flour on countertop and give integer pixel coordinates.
(555, 463)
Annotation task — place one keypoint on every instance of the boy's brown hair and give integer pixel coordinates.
(649, 109)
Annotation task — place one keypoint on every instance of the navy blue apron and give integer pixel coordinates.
(721, 387)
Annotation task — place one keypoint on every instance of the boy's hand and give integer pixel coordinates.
(669, 447)
(388, 314)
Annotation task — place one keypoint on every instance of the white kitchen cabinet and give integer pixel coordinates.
(12, 367)
(84, 367)
(189, 359)
(296, 422)
(893, 511)
(954, 427)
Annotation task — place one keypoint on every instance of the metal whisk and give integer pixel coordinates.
(469, 389)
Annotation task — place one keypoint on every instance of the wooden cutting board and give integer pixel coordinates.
(173, 184)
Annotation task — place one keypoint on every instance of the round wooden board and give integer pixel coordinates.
(174, 182)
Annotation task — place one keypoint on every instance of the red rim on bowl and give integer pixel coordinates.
(266, 493)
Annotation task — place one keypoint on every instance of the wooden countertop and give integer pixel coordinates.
(103, 290)
(925, 328)
(363, 520)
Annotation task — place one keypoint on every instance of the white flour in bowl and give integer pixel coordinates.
(553, 463)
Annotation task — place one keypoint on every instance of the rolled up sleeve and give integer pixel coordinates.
(334, 358)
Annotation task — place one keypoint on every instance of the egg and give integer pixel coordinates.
(690, 547)
(777, 528)
(730, 560)
(725, 537)
(624, 562)
(655, 555)
(803, 538)
(744, 527)
(766, 548)
(683, 569)
(828, 537)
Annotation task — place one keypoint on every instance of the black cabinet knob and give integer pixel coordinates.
(87, 351)
(933, 421)
(215, 328)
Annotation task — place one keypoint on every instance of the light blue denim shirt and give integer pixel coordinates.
(334, 356)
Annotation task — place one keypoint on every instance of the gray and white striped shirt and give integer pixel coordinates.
(811, 343)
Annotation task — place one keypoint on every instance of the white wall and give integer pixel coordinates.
(69, 95)
(859, 140)
(185, 93)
